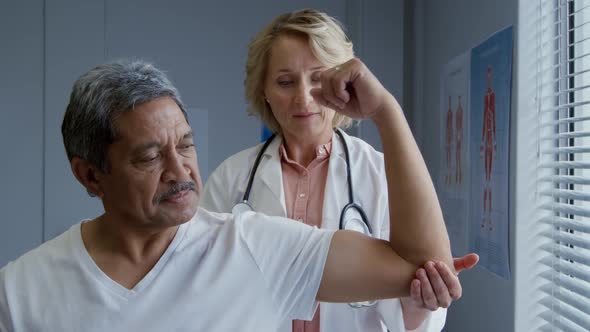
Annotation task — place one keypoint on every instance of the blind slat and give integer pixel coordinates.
(567, 223)
(574, 149)
(578, 10)
(552, 26)
(565, 311)
(564, 252)
(565, 121)
(567, 194)
(566, 106)
(579, 304)
(544, 81)
(567, 282)
(577, 42)
(580, 272)
(559, 65)
(577, 134)
(565, 164)
(565, 179)
(565, 91)
(566, 208)
(556, 322)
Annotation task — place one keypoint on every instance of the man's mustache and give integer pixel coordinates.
(175, 189)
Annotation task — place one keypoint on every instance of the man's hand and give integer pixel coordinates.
(351, 89)
(465, 263)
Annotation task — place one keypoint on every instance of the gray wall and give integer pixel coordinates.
(445, 29)
(377, 28)
(21, 127)
(46, 45)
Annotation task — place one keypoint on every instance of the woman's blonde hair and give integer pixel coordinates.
(328, 43)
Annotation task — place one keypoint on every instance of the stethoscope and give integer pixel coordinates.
(359, 222)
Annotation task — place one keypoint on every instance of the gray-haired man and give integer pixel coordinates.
(155, 262)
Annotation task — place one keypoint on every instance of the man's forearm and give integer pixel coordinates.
(418, 232)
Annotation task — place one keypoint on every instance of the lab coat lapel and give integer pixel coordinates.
(336, 192)
(271, 175)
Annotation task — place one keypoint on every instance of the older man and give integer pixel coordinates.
(155, 262)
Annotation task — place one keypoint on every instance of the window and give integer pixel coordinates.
(561, 241)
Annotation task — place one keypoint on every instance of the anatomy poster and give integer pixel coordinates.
(453, 177)
(491, 81)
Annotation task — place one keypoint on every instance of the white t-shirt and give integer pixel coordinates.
(226, 186)
(218, 274)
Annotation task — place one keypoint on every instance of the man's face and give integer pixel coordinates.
(153, 179)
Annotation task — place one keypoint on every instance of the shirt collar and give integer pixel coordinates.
(322, 151)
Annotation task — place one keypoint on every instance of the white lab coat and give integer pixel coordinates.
(227, 184)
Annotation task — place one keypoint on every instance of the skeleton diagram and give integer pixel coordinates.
(449, 141)
(488, 148)
(459, 140)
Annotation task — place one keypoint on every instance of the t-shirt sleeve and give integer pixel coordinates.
(291, 257)
(5, 320)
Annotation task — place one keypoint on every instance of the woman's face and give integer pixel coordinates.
(292, 72)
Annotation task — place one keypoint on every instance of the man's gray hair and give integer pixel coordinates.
(99, 96)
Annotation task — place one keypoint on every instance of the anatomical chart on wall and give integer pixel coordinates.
(453, 178)
(490, 90)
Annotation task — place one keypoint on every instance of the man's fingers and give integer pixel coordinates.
(339, 86)
(329, 79)
(466, 262)
(319, 97)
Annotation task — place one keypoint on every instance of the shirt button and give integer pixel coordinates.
(302, 195)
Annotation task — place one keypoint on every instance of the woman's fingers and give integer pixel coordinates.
(450, 279)
(439, 286)
(428, 295)
(416, 293)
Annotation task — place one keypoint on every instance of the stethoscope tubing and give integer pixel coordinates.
(351, 203)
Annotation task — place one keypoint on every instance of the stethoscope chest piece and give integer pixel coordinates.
(241, 207)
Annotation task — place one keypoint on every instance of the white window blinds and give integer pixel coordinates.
(563, 172)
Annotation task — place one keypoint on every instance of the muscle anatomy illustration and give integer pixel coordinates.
(458, 142)
(449, 141)
(488, 149)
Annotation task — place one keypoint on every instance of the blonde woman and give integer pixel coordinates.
(302, 172)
